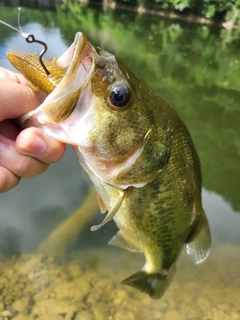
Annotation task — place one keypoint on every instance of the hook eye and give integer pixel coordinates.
(31, 39)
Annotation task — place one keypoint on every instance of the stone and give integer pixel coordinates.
(6, 314)
(120, 315)
(21, 305)
(173, 314)
(84, 315)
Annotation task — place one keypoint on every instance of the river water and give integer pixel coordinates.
(195, 68)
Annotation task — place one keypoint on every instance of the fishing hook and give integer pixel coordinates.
(31, 39)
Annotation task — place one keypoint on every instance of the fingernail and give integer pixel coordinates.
(2, 147)
(35, 146)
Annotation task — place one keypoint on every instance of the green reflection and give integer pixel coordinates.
(10, 15)
(194, 67)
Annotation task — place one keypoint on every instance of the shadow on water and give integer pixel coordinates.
(196, 69)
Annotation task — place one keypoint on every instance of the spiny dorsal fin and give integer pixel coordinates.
(119, 241)
(198, 244)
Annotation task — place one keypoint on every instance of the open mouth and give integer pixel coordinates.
(62, 101)
(78, 60)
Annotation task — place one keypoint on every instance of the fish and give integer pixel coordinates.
(135, 149)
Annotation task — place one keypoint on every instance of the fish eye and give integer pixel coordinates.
(119, 97)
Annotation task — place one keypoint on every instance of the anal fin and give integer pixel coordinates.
(199, 242)
(119, 241)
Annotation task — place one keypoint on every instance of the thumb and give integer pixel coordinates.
(16, 99)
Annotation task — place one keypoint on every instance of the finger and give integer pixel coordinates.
(8, 75)
(8, 180)
(22, 166)
(35, 143)
(16, 99)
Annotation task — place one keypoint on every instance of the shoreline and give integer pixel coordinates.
(111, 4)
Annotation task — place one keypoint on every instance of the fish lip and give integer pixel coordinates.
(74, 54)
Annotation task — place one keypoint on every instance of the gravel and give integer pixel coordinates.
(86, 286)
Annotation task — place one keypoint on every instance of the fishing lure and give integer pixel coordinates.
(30, 38)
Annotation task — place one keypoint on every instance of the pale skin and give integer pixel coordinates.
(23, 153)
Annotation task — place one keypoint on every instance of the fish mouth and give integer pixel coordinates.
(61, 103)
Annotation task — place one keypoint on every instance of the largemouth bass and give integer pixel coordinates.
(135, 149)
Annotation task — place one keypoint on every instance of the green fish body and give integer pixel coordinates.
(136, 150)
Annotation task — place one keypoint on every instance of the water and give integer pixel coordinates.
(196, 69)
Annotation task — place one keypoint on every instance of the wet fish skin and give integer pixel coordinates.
(140, 158)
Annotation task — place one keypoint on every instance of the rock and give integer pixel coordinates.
(173, 314)
(21, 305)
(84, 315)
(51, 307)
(6, 314)
(120, 315)
(50, 317)
(23, 317)
(120, 295)
(1, 307)
(203, 304)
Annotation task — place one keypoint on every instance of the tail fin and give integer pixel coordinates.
(155, 284)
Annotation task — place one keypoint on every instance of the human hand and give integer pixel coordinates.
(23, 153)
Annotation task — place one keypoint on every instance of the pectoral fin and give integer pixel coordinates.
(119, 241)
(199, 242)
(111, 212)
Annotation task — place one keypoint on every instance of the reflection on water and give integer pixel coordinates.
(195, 69)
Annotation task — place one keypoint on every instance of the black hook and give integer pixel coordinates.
(30, 39)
